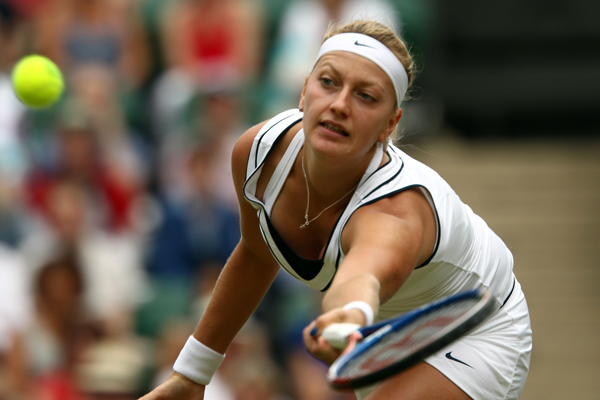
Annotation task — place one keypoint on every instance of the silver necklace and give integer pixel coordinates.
(306, 220)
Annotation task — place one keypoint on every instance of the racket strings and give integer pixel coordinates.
(400, 344)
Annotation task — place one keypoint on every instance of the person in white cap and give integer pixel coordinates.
(325, 195)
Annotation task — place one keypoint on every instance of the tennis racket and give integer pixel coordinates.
(396, 344)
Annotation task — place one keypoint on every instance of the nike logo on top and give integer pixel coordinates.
(449, 357)
(364, 45)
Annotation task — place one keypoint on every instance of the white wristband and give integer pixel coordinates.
(198, 362)
(364, 307)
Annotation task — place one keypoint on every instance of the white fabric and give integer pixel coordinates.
(198, 362)
(374, 50)
(364, 307)
(497, 354)
(260, 148)
(468, 255)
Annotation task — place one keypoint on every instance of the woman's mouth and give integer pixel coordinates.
(334, 128)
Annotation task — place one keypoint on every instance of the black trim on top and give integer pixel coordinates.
(511, 292)
(437, 241)
(337, 264)
(262, 210)
(302, 262)
(281, 134)
(439, 231)
(389, 180)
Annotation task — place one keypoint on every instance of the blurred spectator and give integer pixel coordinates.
(16, 311)
(299, 37)
(111, 264)
(249, 368)
(105, 32)
(112, 369)
(203, 42)
(208, 37)
(258, 378)
(196, 225)
(60, 330)
(13, 160)
(211, 124)
(58, 292)
(92, 145)
(25, 8)
(65, 353)
(15, 304)
(68, 354)
(11, 213)
(302, 368)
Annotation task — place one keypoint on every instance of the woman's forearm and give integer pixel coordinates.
(362, 287)
(240, 288)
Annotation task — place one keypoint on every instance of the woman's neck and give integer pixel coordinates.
(328, 179)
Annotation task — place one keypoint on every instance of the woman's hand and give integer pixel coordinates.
(318, 346)
(177, 387)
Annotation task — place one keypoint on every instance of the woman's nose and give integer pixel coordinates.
(341, 102)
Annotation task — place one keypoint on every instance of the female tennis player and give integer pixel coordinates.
(325, 195)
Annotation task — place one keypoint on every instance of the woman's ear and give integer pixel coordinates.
(392, 123)
(301, 103)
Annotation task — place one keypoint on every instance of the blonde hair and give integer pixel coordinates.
(381, 33)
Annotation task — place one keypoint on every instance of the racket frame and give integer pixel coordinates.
(484, 308)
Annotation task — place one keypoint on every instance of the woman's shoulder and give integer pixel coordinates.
(270, 132)
(242, 147)
(284, 123)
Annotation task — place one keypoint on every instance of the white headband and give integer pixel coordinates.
(375, 51)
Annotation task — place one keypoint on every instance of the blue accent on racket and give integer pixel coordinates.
(396, 344)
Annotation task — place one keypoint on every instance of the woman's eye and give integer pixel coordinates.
(366, 96)
(327, 81)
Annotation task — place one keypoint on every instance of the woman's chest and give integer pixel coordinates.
(288, 215)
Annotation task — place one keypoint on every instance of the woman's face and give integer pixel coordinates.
(349, 105)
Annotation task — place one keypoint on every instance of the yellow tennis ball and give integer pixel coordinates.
(37, 81)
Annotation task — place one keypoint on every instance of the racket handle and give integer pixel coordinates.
(337, 334)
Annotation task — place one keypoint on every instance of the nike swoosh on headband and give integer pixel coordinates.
(365, 45)
(372, 49)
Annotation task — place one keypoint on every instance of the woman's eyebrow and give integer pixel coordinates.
(367, 82)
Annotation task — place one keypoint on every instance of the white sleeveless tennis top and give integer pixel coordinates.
(468, 254)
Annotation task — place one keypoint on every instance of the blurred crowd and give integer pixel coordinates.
(117, 208)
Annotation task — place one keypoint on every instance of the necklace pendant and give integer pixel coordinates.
(306, 220)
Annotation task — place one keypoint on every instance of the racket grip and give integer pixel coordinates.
(337, 334)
